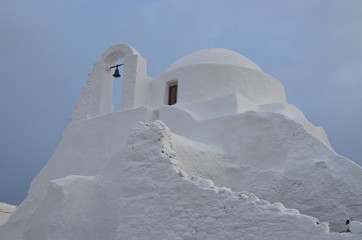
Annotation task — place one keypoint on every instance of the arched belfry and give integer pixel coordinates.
(96, 98)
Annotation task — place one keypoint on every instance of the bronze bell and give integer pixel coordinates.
(116, 73)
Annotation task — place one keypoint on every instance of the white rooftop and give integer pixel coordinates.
(215, 56)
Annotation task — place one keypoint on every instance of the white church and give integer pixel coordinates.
(205, 84)
(209, 149)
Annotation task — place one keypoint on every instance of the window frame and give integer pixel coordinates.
(172, 93)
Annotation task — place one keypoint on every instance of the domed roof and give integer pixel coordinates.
(215, 56)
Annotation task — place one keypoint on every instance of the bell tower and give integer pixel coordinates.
(96, 98)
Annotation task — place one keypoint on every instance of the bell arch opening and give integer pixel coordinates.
(117, 85)
(102, 94)
(115, 58)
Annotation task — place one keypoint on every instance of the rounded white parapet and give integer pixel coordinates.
(116, 52)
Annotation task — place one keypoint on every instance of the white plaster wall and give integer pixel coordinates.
(144, 193)
(85, 149)
(136, 84)
(6, 210)
(285, 108)
(204, 81)
(219, 106)
(278, 159)
(85, 145)
(294, 113)
(95, 100)
(4, 216)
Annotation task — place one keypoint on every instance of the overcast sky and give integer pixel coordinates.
(314, 47)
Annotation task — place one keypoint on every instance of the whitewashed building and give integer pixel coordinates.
(229, 124)
(206, 84)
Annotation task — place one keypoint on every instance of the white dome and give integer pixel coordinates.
(215, 56)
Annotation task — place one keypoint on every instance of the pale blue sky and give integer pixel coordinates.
(314, 47)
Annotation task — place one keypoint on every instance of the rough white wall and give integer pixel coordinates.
(85, 149)
(294, 113)
(143, 194)
(276, 158)
(6, 210)
(218, 106)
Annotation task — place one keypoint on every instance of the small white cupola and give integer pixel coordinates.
(212, 73)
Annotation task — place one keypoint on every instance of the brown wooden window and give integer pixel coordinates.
(172, 94)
